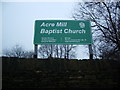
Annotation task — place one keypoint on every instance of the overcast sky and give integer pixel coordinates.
(18, 21)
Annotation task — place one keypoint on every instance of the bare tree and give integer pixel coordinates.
(57, 51)
(17, 51)
(28, 54)
(68, 49)
(105, 20)
(45, 51)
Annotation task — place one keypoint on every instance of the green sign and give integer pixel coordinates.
(62, 32)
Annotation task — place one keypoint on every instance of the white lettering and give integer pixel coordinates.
(61, 24)
(52, 31)
(47, 24)
(74, 31)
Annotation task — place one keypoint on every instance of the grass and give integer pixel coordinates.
(36, 73)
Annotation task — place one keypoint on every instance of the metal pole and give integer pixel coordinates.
(51, 51)
(35, 51)
(90, 51)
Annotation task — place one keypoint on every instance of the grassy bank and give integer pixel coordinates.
(60, 73)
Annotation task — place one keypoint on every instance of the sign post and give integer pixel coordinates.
(90, 51)
(64, 32)
(35, 50)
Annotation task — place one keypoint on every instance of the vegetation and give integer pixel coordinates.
(60, 73)
(105, 21)
(57, 51)
(18, 51)
(44, 51)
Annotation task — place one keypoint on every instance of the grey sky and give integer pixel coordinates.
(0, 28)
(18, 21)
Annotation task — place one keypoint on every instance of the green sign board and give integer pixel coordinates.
(62, 32)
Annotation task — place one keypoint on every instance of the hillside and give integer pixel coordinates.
(60, 73)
